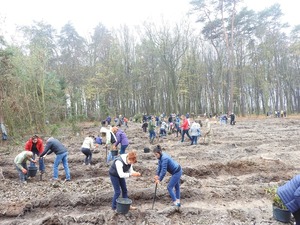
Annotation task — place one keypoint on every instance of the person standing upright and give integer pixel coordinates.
(54, 145)
(195, 132)
(36, 146)
(151, 129)
(185, 128)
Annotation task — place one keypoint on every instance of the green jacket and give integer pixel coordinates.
(151, 126)
(22, 158)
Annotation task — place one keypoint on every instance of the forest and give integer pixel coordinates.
(230, 59)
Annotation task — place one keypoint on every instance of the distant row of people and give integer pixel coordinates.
(181, 125)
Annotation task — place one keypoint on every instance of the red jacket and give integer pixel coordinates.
(185, 124)
(39, 145)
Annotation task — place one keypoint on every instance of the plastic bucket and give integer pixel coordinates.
(281, 215)
(32, 170)
(114, 153)
(123, 205)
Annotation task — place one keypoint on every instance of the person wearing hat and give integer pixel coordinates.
(120, 169)
(36, 146)
(21, 164)
(167, 164)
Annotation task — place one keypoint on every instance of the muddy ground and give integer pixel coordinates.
(223, 182)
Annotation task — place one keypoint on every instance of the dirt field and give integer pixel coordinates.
(223, 182)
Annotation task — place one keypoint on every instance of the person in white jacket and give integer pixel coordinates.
(110, 138)
(195, 132)
(86, 148)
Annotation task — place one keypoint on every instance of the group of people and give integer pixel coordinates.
(121, 167)
(179, 124)
(34, 146)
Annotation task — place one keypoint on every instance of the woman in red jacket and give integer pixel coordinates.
(185, 128)
(36, 146)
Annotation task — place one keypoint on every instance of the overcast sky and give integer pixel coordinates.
(85, 15)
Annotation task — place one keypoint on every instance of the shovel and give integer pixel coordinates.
(41, 174)
(106, 153)
(154, 197)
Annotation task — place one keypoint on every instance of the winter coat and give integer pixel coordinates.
(166, 164)
(39, 145)
(185, 124)
(22, 158)
(195, 129)
(88, 143)
(121, 138)
(290, 194)
(108, 134)
(54, 145)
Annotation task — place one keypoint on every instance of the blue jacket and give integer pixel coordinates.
(290, 194)
(166, 164)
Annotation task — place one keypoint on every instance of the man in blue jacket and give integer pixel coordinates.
(289, 193)
(54, 145)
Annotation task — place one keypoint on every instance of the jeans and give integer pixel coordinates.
(194, 140)
(152, 134)
(110, 157)
(22, 176)
(177, 129)
(41, 162)
(187, 133)
(175, 183)
(118, 185)
(88, 154)
(162, 132)
(64, 159)
(123, 148)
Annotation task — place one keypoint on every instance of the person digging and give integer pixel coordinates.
(167, 164)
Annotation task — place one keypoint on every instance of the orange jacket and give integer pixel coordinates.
(39, 145)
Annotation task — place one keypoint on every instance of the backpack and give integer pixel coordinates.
(112, 138)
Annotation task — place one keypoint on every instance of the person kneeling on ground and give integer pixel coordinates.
(120, 169)
(167, 164)
(21, 165)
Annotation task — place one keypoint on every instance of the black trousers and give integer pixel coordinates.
(297, 216)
